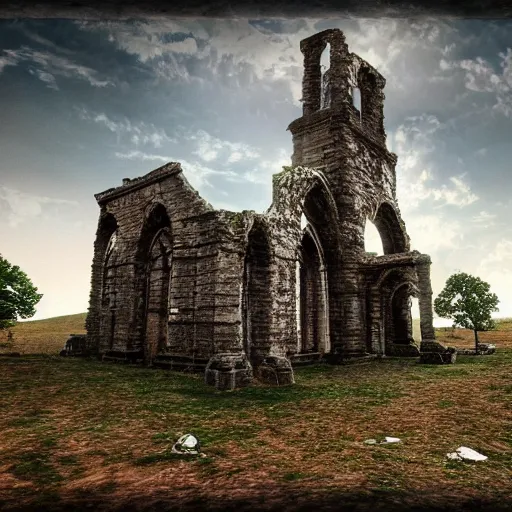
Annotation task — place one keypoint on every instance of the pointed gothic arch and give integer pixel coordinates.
(318, 257)
(153, 280)
(104, 287)
(392, 233)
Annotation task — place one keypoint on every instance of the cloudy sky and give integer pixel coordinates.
(84, 105)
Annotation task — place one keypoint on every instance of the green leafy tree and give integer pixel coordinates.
(18, 296)
(468, 301)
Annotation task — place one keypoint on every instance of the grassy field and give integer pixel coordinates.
(49, 336)
(84, 435)
(43, 336)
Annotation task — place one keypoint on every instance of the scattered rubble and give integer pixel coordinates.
(386, 440)
(465, 453)
(484, 349)
(187, 445)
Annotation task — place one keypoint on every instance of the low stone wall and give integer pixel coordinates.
(76, 346)
(484, 349)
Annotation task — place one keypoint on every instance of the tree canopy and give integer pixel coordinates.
(468, 301)
(18, 296)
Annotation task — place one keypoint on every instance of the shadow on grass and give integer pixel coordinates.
(289, 497)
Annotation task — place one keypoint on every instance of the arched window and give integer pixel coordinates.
(325, 87)
(356, 100)
(108, 237)
(153, 273)
(372, 239)
(391, 231)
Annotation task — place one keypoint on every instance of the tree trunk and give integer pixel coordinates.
(476, 341)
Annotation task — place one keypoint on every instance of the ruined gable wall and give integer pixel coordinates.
(195, 234)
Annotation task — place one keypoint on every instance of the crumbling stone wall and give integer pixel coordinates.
(176, 283)
(168, 252)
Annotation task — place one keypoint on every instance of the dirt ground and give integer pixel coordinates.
(83, 435)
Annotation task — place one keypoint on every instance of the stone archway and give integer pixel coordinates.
(152, 282)
(256, 301)
(101, 318)
(319, 258)
(312, 294)
(397, 316)
(400, 314)
(157, 295)
(392, 233)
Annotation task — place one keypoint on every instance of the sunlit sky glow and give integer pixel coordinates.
(87, 104)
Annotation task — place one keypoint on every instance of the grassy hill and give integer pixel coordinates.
(46, 336)
(49, 336)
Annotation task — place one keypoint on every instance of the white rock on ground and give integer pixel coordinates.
(465, 453)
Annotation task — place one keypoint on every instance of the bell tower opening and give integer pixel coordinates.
(325, 65)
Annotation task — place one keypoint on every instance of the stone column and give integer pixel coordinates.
(312, 81)
(425, 301)
(325, 296)
(230, 367)
(431, 352)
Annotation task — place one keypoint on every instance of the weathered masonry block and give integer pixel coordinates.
(243, 295)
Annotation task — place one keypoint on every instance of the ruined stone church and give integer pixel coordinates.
(178, 284)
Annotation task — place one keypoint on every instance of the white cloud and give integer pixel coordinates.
(432, 233)
(139, 155)
(413, 192)
(150, 40)
(7, 60)
(150, 43)
(227, 48)
(481, 77)
(196, 173)
(500, 256)
(484, 218)
(417, 182)
(495, 268)
(54, 65)
(23, 207)
(210, 148)
(141, 133)
(48, 78)
(459, 195)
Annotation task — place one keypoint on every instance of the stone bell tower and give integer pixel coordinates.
(348, 143)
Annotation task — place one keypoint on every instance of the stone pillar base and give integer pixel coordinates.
(432, 352)
(228, 371)
(402, 350)
(340, 356)
(276, 370)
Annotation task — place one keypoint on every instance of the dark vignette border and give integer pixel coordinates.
(320, 9)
